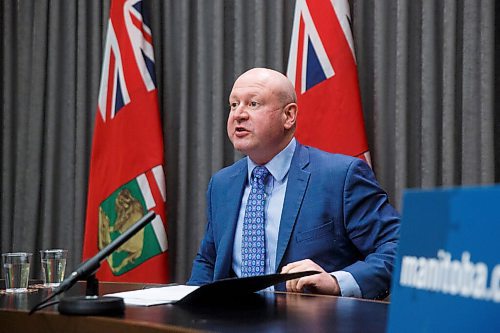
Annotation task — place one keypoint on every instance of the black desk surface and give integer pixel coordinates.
(267, 312)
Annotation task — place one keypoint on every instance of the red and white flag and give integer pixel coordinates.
(322, 67)
(127, 177)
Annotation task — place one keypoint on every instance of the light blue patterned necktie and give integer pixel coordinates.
(253, 245)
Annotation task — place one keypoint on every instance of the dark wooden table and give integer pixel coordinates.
(268, 312)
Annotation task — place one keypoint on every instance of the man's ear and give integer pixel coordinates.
(290, 113)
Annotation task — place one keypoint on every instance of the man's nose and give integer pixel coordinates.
(241, 112)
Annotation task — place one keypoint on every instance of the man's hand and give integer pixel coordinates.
(322, 283)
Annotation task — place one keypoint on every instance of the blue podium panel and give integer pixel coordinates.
(447, 273)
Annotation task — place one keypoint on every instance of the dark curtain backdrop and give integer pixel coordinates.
(427, 77)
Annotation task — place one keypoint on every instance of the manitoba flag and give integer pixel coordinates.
(127, 178)
(322, 68)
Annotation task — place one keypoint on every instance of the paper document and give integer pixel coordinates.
(155, 296)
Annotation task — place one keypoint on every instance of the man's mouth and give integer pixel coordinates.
(240, 131)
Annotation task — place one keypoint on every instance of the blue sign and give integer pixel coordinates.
(447, 274)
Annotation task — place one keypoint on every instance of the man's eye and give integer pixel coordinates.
(253, 104)
(233, 105)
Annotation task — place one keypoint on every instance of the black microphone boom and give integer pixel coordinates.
(90, 266)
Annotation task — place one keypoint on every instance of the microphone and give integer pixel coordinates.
(90, 266)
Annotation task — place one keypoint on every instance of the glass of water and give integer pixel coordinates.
(53, 266)
(16, 268)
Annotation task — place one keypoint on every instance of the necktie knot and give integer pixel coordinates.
(260, 173)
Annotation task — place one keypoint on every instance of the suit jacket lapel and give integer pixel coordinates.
(235, 184)
(298, 180)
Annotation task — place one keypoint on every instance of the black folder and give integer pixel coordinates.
(221, 290)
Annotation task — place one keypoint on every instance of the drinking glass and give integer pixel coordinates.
(53, 266)
(16, 268)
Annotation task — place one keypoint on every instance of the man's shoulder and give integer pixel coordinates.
(326, 165)
(323, 158)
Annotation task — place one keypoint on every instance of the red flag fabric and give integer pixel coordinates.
(126, 170)
(322, 67)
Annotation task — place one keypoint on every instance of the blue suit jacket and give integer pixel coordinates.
(334, 213)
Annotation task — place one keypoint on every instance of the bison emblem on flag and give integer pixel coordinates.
(117, 213)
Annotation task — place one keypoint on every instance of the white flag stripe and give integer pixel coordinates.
(368, 158)
(142, 180)
(303, 74)
(115, 78)
(161, 234)
(103, 88)
(292, 58)
(160, 181)
(343, 12)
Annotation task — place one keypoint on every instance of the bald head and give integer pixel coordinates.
(273, 80)
(262, 114)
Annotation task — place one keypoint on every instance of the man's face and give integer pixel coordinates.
(257, 122)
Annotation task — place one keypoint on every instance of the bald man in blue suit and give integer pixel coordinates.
(323, 211)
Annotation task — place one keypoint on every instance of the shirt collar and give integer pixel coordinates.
(279, 165)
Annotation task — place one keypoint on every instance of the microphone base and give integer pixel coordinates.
(91, 306)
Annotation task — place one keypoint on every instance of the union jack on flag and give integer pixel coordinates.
(322, 67)
(127, 176)
(114, 90)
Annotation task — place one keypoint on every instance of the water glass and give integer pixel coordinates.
(16, 268)
(53, 266)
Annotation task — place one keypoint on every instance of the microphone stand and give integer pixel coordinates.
(92, 304)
